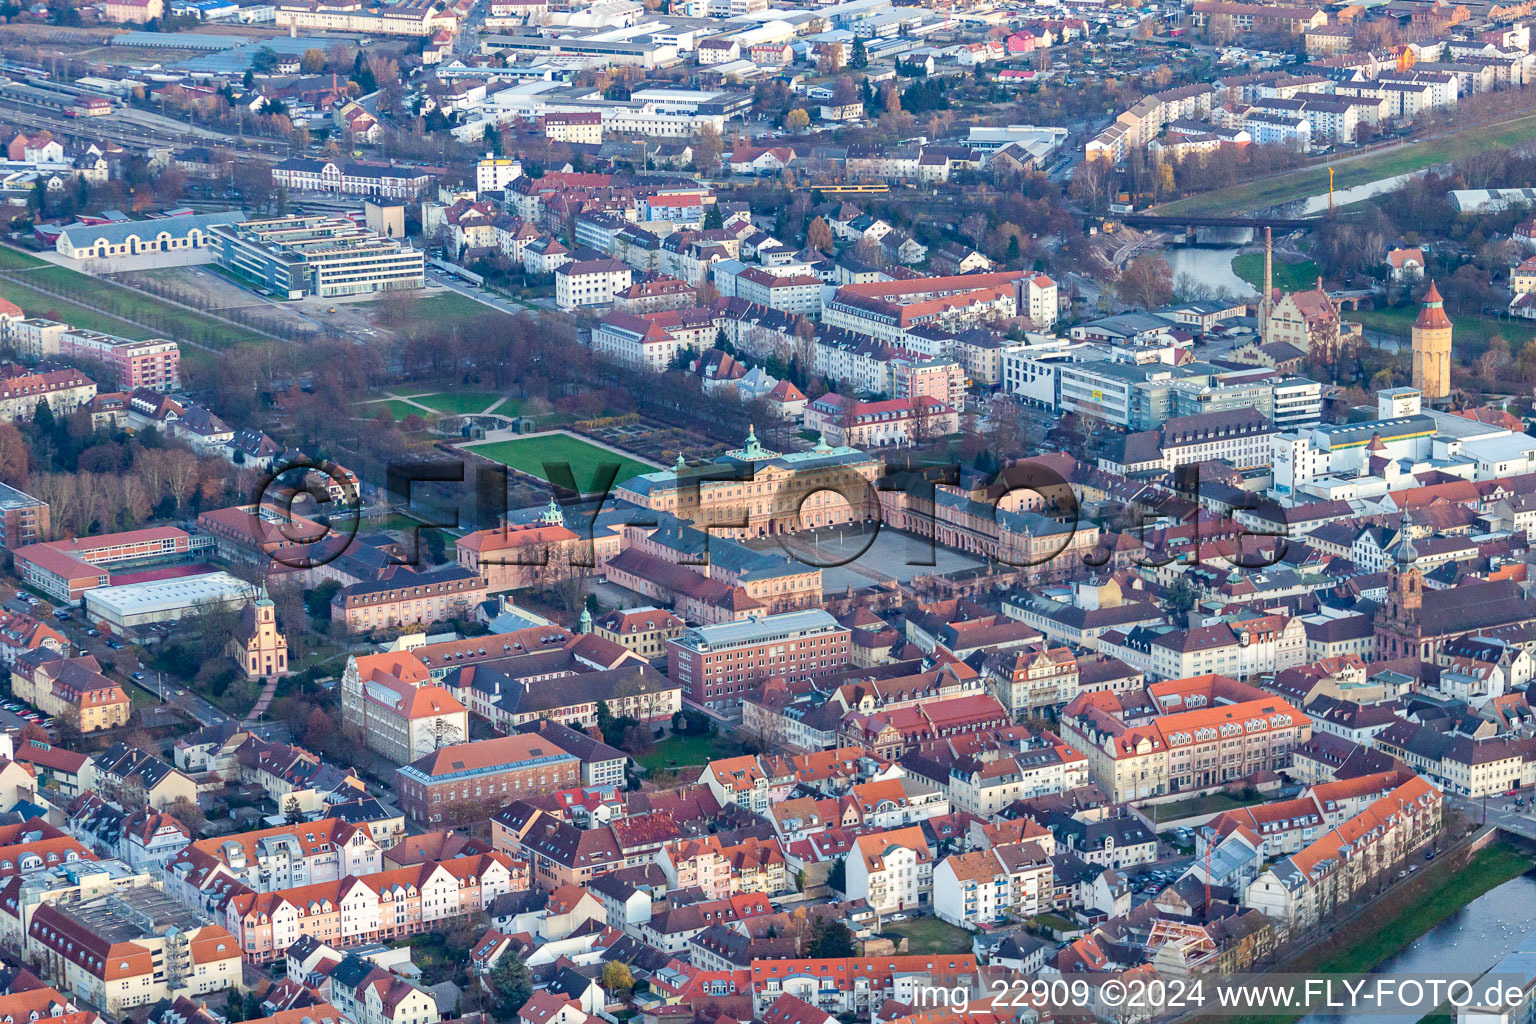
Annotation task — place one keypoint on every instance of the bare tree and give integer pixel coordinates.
(181, 473)
(445, 734)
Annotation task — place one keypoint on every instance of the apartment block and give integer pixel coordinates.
(24, 519)
(591, 283)
(1302, 891)
(131, 948)
(975, 890)
(264, 860)
(376, 907)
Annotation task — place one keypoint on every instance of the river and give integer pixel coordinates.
(1469, 941)
(1210, 265)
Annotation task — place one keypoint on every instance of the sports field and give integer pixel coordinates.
(529, 455)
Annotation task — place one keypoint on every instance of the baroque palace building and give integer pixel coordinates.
(755, 492)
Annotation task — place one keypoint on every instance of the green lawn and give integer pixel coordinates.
(509, 407)
(398, 409)
(124, 308)
(1289, 277)
(1213, 803)
(1313, 180)
(15, 259)
(35, 303)
(930, 935)
(1055, 922)
(460, 402)
(430, 311)
(1471, 337)
(125, 302)
(529, 454)
(683, 751)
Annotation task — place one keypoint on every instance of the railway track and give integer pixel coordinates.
(136, 136)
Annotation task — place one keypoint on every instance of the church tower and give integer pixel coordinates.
(1432, 347)
(258, 645)
(1398, 626)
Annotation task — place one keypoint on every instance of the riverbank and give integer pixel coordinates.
(1289, 277)
(1403, 158)
(1473, 332)
(1402, 916)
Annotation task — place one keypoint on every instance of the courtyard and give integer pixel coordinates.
(849, 558)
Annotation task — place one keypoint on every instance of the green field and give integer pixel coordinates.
(1471, 337)
(138, 697)
(431, 311)
(15, 259)
(528, 455)
(508, 407)
(35, 303)
(460, 402)
(1055, 922)
(398, 409)
(124, 309)
(930, 935)
(142, 308)
(1289, 277)
(1313, 181)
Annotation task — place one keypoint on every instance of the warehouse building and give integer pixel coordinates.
(140, 604)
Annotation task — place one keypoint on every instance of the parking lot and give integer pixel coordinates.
(16, 715)
(118, 659)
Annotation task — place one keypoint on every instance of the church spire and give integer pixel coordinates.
(1407, 554)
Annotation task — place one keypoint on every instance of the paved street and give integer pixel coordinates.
(74, 628)
(1501, 812)
(480, 295)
